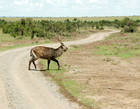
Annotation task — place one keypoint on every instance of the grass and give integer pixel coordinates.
(53, 68)
(72, 87)
(59, 74)
(118, 51)
(9, 38)
(21, 45)
(6, 38)
(16, 46)
(74, 47)
(120, 45)
(23, 41)
(90, 103)
(69, 87)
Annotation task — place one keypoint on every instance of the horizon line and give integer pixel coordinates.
(66, 16)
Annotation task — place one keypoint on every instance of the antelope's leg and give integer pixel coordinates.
(30, 63)
(48, 64)
(56, 62)
(32, 60)
(34, 64)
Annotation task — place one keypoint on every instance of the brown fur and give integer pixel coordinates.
(46, 53)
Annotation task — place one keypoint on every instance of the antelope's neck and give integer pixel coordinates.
(59, 51)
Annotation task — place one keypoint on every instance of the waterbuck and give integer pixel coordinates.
(46, 53)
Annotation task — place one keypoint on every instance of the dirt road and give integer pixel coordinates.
(23, 89)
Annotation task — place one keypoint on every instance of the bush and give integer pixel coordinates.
(49, 28)
(97, 26)
(129, 29)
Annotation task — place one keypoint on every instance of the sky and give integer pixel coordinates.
(69, 8)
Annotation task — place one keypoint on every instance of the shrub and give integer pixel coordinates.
(129, 29)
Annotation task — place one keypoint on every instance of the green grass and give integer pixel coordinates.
(120, 45)
(9, 38)
(56, 74)
(4, 38)
(120, 52)
(75, 90)
(71, 86)
(53, 67)
(74, 47)
(90, 103)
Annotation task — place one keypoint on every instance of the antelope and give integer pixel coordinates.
(46, 53)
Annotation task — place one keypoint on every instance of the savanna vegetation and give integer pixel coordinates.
(83, 80)
(45, 28)
(109, 18)
(124, 45)
(27, 27)
(81, 84)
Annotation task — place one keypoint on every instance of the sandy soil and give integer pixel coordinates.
(114, 83)
(23, 89)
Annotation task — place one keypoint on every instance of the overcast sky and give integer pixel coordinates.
(69, 8)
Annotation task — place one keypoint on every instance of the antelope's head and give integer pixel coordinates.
(63, 47)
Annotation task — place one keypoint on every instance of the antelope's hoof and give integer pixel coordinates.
(48, 69)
